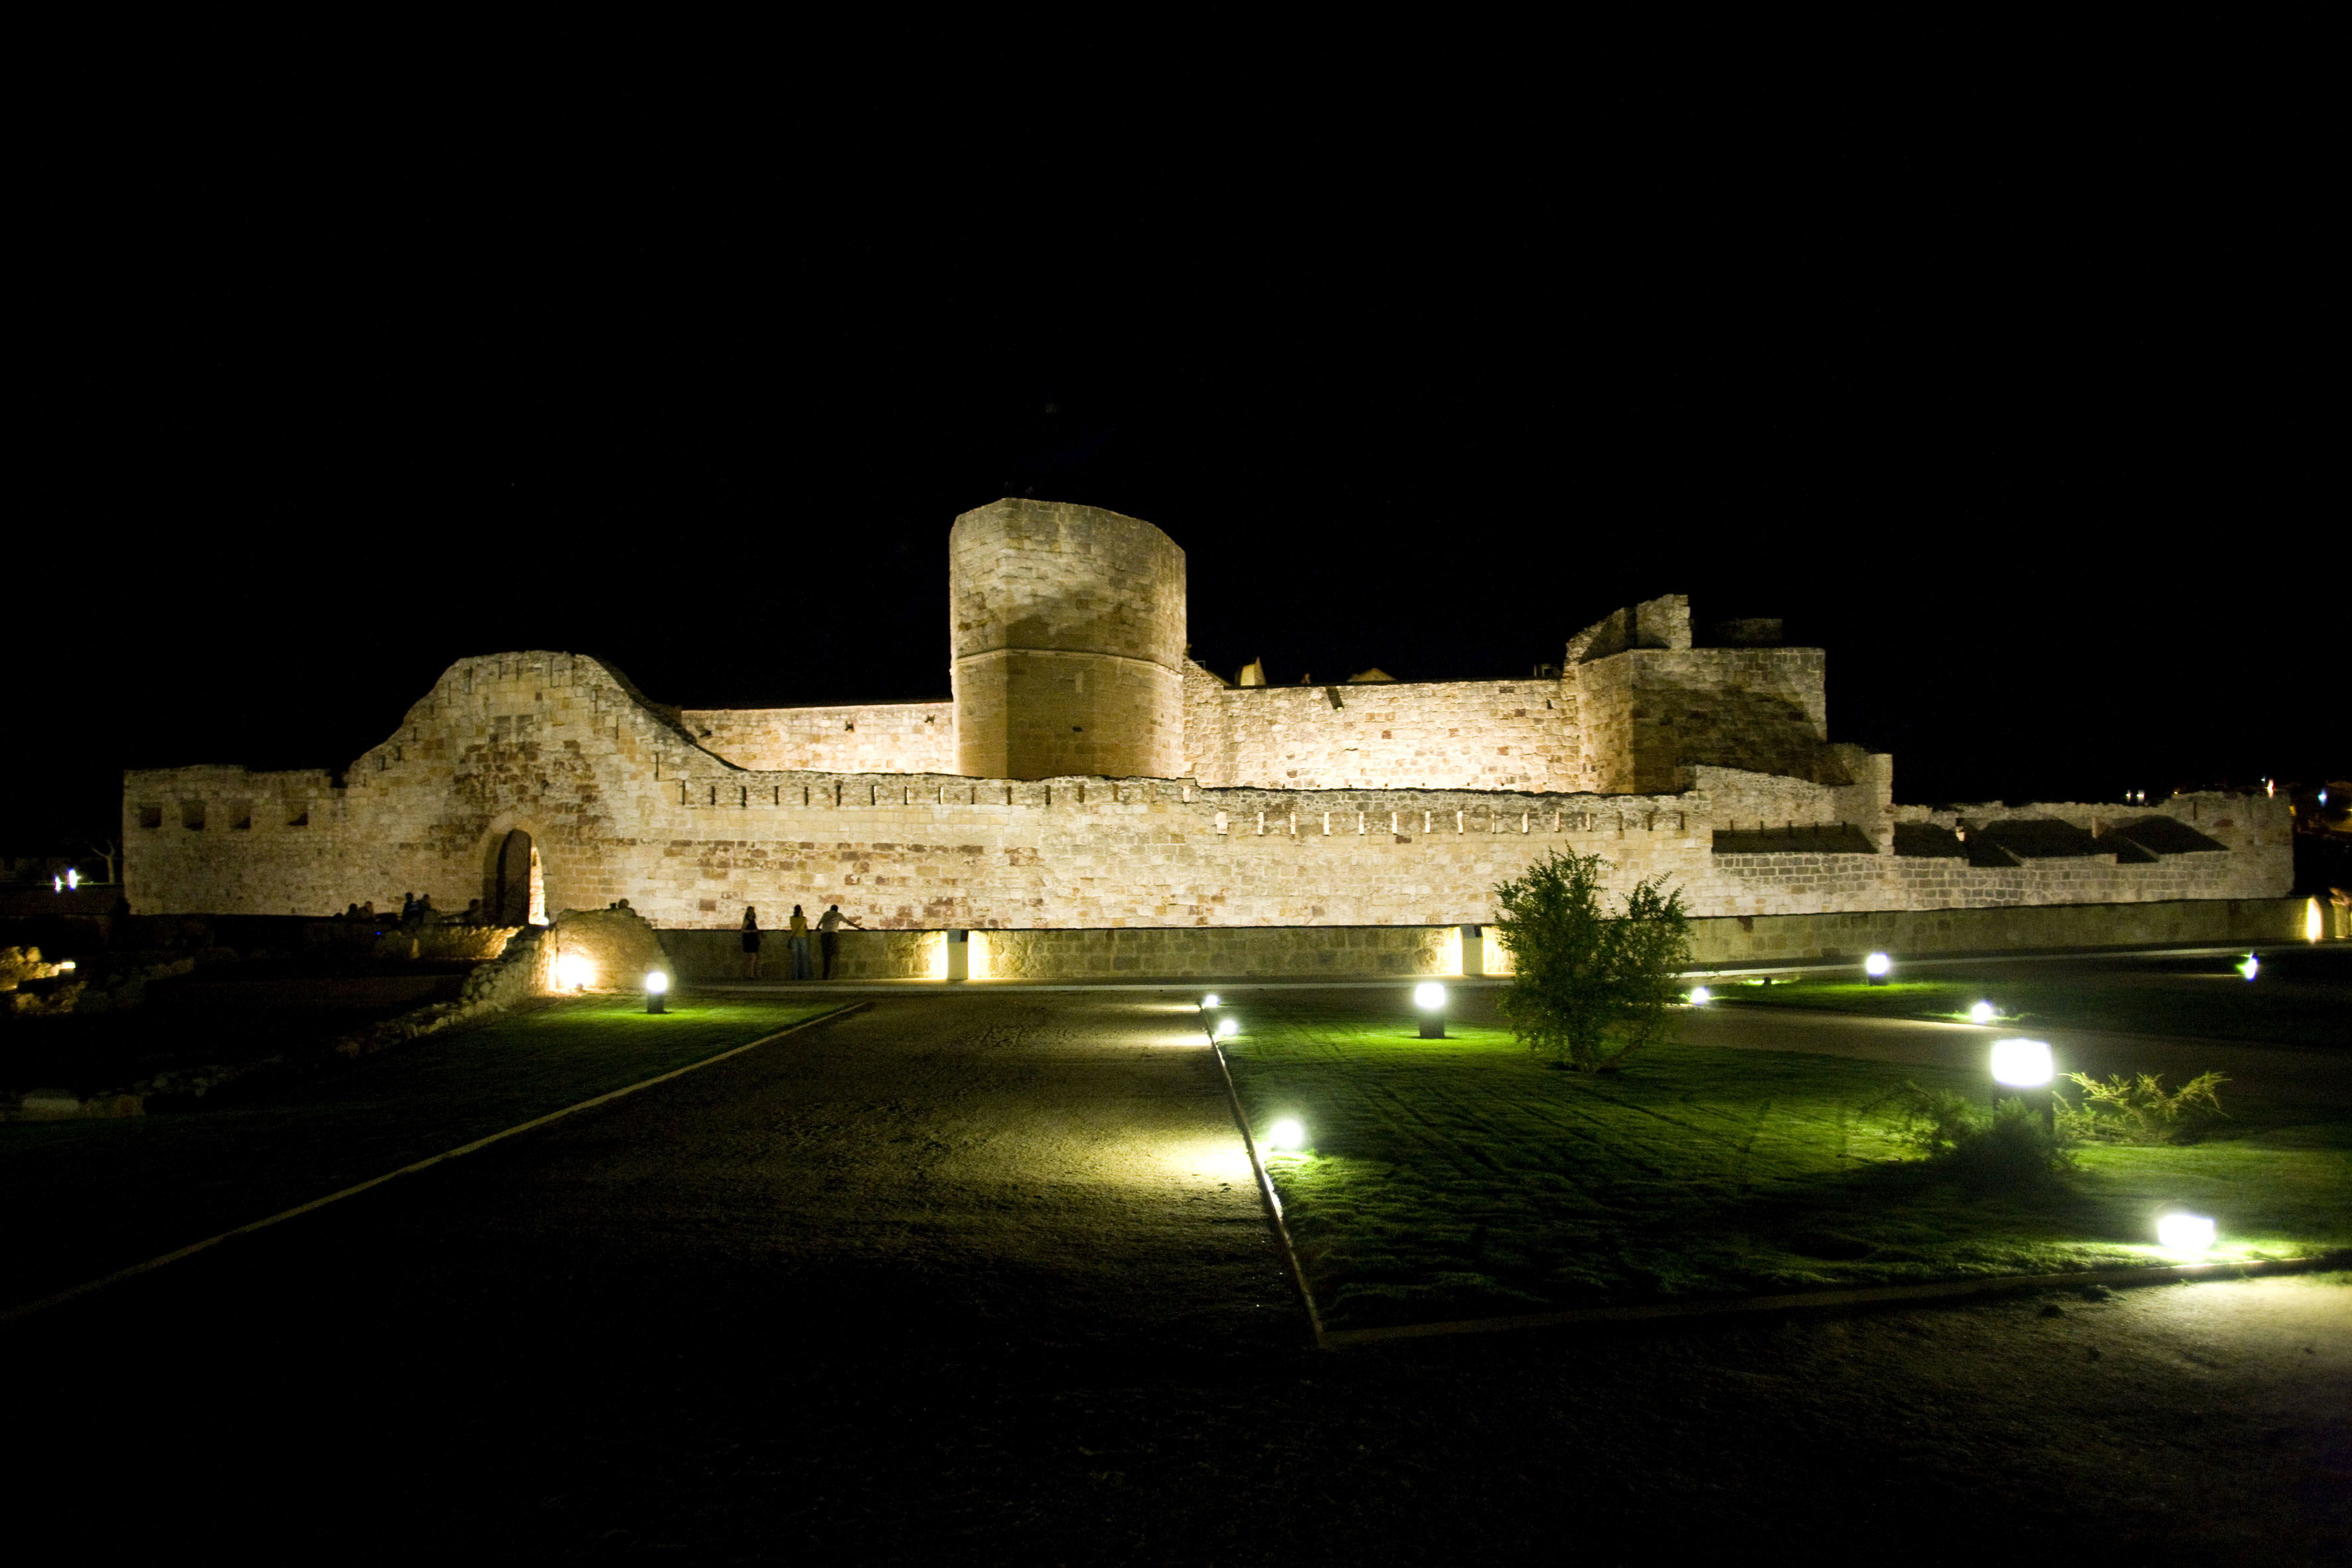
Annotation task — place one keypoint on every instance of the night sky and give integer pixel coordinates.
(2027, 431)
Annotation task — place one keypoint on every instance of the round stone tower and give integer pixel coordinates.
(1068, 636)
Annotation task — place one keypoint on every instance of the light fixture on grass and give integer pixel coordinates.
(1286, 1136)
(2022, 1064)
(1209, 1001)
(1877, 966)
(1227, 1028)
(656, 990)
(1430, 997)
(2182, 1232)
(1700, 996)
(1982, 1013)
(2251, 967)
(573, 973)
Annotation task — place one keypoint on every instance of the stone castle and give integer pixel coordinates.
(1087, 778)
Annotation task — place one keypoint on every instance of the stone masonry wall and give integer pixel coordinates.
(881, 738)
(620, 803)
(1648, 713)
(1453, 734)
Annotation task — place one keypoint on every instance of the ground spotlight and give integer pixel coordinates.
(2022, 1064)
(2251, 967)
(1700, 996)
(656, 990)
(1288, 1134)
(1227, 1028)
(1209, 1001)
(1430, 997)
(1982, 1013)
(1878, 966)
(573, 973)
(2180, 1232)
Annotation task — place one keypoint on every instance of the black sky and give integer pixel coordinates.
(2019, 416)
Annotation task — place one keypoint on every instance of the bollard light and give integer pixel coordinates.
(572, 972)
(1878, 966)
(1289, 1134)
(1227, 1028)
(1700, 996)
(73, 874)
(2022, 1064)
(656, 990)
(2180, 1232)
(1209, 1001)
(1430, 997)
(2251, 967)
(1982, 1013)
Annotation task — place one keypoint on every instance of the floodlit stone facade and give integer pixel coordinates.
(1085, 775)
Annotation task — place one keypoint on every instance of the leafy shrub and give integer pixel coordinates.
(2009, 1146)
(2137, 1109)
(1583, 977)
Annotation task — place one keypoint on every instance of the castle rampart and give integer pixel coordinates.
(1357, 805)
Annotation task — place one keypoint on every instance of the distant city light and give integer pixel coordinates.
(2251, 967)
(1982, 1013)
(66, 966)
(2022, 1064)
(1429, 997)
(1700, 996)
(1287, 1133)
(2179, 1232)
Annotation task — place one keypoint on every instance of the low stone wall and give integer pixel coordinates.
(2189, 923)
(865, 954)
(1151, 952)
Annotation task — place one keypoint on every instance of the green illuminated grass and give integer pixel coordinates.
(1461, 1179)
(2302, 999)
(87, 1198)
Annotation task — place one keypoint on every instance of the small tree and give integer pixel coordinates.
(1586, 977)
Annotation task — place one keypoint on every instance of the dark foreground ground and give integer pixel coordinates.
(980, 1280)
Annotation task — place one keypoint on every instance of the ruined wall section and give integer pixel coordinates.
(1067, 633)
(1453, 734)
(880, 738)
(1650, 713)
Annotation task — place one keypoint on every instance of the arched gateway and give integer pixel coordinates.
(513, 897)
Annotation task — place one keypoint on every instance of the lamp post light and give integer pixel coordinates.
(2183, 1232)
(656, 990)
(2023, 1065)
(1877, 967)
(1430, 997)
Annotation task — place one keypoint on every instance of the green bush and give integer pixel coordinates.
(2009, 1146)
(2137, 1109)
(1584, 977)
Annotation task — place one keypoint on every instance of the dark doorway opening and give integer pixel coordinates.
(510, 899)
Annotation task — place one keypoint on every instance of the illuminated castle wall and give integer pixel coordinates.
(1086, 775)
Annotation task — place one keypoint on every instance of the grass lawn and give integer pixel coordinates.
(89, 1198)
(1461, 1178)
(2302, 998)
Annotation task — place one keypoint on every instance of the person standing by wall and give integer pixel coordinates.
(750, 942)
(829, 935)
(800, 944)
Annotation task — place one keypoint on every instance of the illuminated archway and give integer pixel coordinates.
(515, 894)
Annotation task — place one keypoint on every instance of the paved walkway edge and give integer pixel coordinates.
(1269, 1198)
(91, 1285)
(1339, 1338)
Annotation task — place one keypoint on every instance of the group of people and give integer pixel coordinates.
(829, 927)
